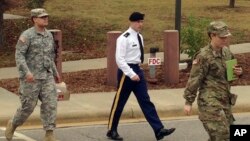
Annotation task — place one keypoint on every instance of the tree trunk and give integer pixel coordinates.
(1, 26)
(231, 3)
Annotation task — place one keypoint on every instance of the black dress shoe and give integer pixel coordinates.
(164, 132)
(113, 135)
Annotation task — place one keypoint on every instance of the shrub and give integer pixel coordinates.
(194, 35)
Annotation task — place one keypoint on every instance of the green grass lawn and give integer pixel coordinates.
(84, 23)
(160, 14)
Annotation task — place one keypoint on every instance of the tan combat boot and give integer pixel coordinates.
(10, 129)
(49, 136)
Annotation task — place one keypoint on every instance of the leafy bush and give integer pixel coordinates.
(194, 35)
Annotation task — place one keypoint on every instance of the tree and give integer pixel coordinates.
(231, 3)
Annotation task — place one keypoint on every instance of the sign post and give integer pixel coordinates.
(152, 62)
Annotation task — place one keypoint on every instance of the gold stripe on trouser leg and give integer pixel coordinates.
(116, 101)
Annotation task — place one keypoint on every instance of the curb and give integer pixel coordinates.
(128, 114)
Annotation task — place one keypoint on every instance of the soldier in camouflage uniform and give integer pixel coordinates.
(35, 63)
(208, 76)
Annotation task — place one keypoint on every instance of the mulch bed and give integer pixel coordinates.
(96, 80)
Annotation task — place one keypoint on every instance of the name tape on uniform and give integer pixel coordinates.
(154, 61)
(239, 132)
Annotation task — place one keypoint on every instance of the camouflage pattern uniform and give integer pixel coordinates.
(208, 76)
(35, 54)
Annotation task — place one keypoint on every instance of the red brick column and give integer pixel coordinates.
(111, 63)
(171, 56)
(57, 34)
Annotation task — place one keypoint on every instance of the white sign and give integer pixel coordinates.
(154, 61)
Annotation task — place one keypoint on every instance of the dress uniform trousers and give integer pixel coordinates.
(125, 87)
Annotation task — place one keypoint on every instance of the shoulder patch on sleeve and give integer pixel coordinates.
(22, 39)
(196, 61)
(126, 34)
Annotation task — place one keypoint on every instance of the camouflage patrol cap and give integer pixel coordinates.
(219, 28)
(38, 12)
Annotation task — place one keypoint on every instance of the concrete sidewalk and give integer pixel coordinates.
(11, 16)
(89, 107)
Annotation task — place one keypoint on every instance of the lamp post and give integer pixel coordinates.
(178, 18)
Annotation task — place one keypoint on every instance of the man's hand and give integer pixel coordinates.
(29, 77)
(135, 78)
(58, 78)
(188, 109)
(237, 70)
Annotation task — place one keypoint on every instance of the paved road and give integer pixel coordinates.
(136, 131)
